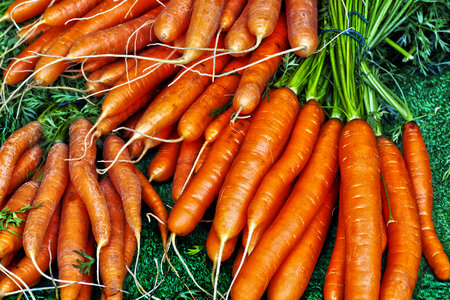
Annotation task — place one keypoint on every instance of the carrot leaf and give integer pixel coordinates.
(8, 217)
(85, 267)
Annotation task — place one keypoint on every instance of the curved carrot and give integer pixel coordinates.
(360, 184)
(302, 205)
(11, 150)
(72, 237)
(292, 277)
(51, 190)
(162, 167)
(230, 13)
(302, 21)
(217, 125)
(263, 17)
(405, 248)
(173, 20)
(129, 245)
(255, 78)
(59, 13)
(239, 38)
(22, 10)
(418, 164)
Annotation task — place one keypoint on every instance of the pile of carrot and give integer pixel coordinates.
(191, 79)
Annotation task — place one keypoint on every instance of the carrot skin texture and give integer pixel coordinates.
(129, 245)
(173, 20)
(28, 33)
(112, 268)
(360, 183)
(93, 85)
(302, 21)
(9, 242)
(237, 260)
(113, 72)
(94, 64)
(292, 277)
(22, 10)
(162, 167)
(239, 38)
(73, 236)
(26, 164)
(263, 17)
(418, 164)
(205, 186)
(11, 150)
(230, 13)
(185, 162)
(218, 124)
(59, 13)
(255, 78)
(213, 246)
(263, 144)
(51, 190)
(302, 205)
(405, 249)
(202, 157)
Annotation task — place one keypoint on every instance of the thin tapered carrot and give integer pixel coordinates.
(11, 150)
(305, 200)
(263, 17)
(384, 237)
(268, 198)
(113, 72)
(202, 157)
(22, 10)
(154, 202)
(136, 149)
(93, 85)
(213, 247)
(150, 143)
(86, 289)
(26, 164)
(360, 198)
(239, 38)
(112, 268)
(29, 32)
(255, 78)
(302, 21)
(11, 238)
(418, 164)
(405, 248)
(230, 13)
(217, 125)
(195, 120)
(72, 238)
(178, 43)
(292, 277)
(162, 167)
(92, 65)
(237, 261)
(104, 15)
(173, 20)
(60, 13)
(205, 186)
(129, 244)
(131, 123)
(51, 190)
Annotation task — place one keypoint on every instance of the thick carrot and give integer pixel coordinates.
(405, 248)
(11, 236)
(195, 120)
(213, 247)
(162, 167)
(218, 124)
(360, 184)
(126, 37)
(73, 236)
(239, 38)
(29, 32)
(104, 15)
(418, 164)
(302, 22)
(154, 202)
(26, 164)
(173, 20)
(23, 64)
(255, 78)
(11, 150)
(302, 205)
(58, 14)
(202, 157)
(112, 268)
(274, 187)
(292, 277)
(129, 244)
(51, 190)
(22, 10)
(263, 17)
(25, 269)
(230, 13)
(86, 290)
(205, 186)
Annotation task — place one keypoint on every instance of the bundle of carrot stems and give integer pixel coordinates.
(265, 116)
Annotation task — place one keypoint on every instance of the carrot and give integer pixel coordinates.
(213, 247)
(111, 256)
(173, 20)
(217, 125)
(263, 17)
(22, 10)
(255, 78)
(26, 164)
(405, 249)
(104, 15)
(239, 38)
(195, 120)
(179, 42)
(131, 123)
(201, 192)
(418, 164)
(127, 37)
(274, 188)
(150, 143)
(360, 184)
(162, 166)
(51, 190)
(292, 277)
(185, 163)
(11, 150)
(113, 72)
(20, 201)
(129, 245)
(94, 86)
(72, 237)
(61, 13)
(26, 269)
(230, 13)
(202, 157)
(92, 65)
(237, 261)
(136, 149)
(383, 228)
(86, 289)
(29, 32)
(154, 202)
(302, 21)
(302, 205)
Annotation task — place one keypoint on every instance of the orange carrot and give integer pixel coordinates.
(230, 13)
(113, 72)
(213, 247)
(30, 31)
(173, 20)
(218, 124)
(202, 157)
(237, 261)
(263, 17)
(162, 167)
(86, 290)
(22, 10)
(302, 21)
(92, 65)
(131, 123)
(239, 38)
(94, 86)
(152, 143)
(129, 244)
(62, 12)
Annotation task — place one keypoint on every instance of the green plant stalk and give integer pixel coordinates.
(399, 49)
(299, 80)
